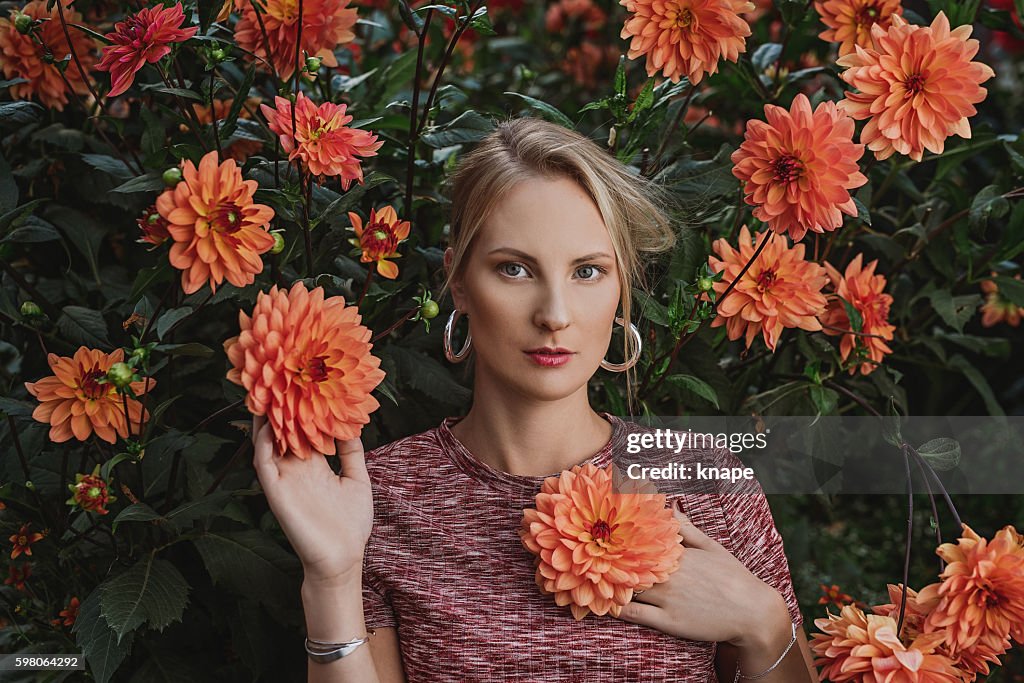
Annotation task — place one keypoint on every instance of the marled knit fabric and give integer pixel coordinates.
(445, 565)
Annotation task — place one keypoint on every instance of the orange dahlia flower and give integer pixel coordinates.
(306, 364)
(326, 146)
(23, 540)
(849, 22)
(800, 166)
(379, 239)
(981, 591)
(90, 492)
(594, 545)
(779, 290)
(686, 37)
(153, 227)
(145, 36)
(833, 595)
(854, 646)
(917, 86)
(917, 610)
(326, 24)
(997, 308)
(862, 289)
(219, 232)
(75, 403)
(67, 616)
(22, 57)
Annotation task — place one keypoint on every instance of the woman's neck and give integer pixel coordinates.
(532, 438)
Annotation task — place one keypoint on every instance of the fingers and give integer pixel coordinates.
(353, 461)
(641, 613)
(692, 536)
(263, 448)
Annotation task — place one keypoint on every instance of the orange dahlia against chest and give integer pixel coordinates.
(305, 362)
(596, 545)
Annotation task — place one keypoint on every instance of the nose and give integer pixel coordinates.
(552, 310)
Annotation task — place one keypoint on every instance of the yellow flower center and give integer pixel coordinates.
(22, 540)
(683, 18)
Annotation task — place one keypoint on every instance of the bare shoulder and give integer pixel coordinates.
(387, 655)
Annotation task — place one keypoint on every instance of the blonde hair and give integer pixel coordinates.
(524, 148)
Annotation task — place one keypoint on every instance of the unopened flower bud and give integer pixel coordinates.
(23, 23)
(218, 54)
(312, 64)
(172, 176)
(278, 242)
(139, 356)
(30, 309)
(706, 284)
(120, 375)
(429, 310)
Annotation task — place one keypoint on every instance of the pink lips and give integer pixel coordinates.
(550, 357)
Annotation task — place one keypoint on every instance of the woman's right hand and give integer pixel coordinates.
(326, 517)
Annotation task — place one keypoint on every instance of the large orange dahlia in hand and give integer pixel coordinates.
(219, 231)
(595, 546)
(305, 362)
(917, 86)
(780, 289)
(686, 37)
(75, 403)
(800, 166)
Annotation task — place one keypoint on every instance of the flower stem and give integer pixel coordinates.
(910, 533)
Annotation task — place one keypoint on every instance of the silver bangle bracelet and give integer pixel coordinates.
(323, 653)
(772, 667)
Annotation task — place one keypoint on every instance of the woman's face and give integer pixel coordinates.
(541, 275)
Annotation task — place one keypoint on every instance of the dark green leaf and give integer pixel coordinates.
(208, 10)
(955, 311)
(1011, 289)
(942, 453)
(236, 105)
(8, 188)
(766, 55)
(32, 229)
(548, 111)
(108, 164)
(19, 113)
(989, 202)
(150, 182)
(468, 126)
(168, 319)
(696, 385)
(102, 649)
(136, 512)
(250, 563)
(84, 326)
(151, 592)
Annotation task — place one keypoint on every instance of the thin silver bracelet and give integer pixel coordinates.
(323, 653)
(772, 667)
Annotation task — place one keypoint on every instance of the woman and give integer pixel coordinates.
(546, 234)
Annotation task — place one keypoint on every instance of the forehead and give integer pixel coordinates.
(546, 216)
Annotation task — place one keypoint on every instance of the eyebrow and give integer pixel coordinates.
(526, 257)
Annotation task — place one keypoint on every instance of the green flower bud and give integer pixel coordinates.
(705, 284)
(218, 54)
(429, 310)
(23, 23)
(312, 64)
(278, 242)
(172, 176)
(30, 486)
(120, 375)
(30, 309)
(139, 356)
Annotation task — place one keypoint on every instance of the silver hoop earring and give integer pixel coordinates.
(464, 351)
(619, 367)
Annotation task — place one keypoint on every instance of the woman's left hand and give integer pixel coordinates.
(712, 596)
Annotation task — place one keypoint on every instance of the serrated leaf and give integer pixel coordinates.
(150, 182)
(987, 203)
(942, 453)
(696, 385)
(84, 326)
(548, 111)
(955, 311)
(250, 563)
(98, 641)
(152, 592)
(168, 320)
(863, 213)
(136, 512)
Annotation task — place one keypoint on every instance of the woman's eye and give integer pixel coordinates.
(504, 268)
(589, 272)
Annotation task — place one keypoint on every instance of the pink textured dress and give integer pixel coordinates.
(445, 566)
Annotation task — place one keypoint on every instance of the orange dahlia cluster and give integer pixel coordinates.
(321, 138)
(594, 545)
(916, 86)
(77, 401)
(326, 24)
(849, 22)
(219, 232)
(952, 629)
(305, 363)
(22, 57)
(780, 289)
(686, 37)
(800, 166)
(996, 308)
